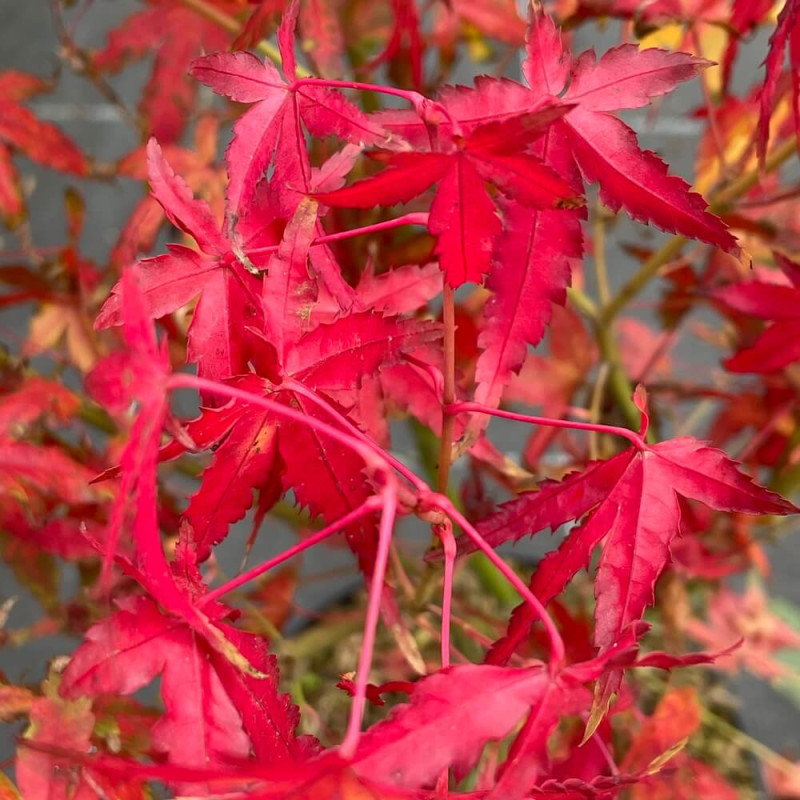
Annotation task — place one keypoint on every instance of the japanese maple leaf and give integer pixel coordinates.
(663, 736)
(197, 166)
(748, 616)
(32, 473)
(63, 724)
(21, 130)
(35, 398)
(676, 717)
(325, 476)
(463, 214)
(213, 712)
(36, 474)
(768, 410)
(604, 147)
(534, 257)
(414, 745)
(331, 360)
(139, 374)
(786, 33)
(779, 345)
(484, 703)
(629, 503)
(270, 134)
(175, 34)
(229, 294)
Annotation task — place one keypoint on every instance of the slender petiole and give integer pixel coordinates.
(631, 436)
(371, 504)
(413, 218)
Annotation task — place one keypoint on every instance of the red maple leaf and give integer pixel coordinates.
(604, 147)
(33, 399)
(37, 475)
(749, 617)
(661, 741)
(462, 213)
(21, 130)
(176, 34)
(214, 713)
(606, 152)
(270, 134)
(218, 341)
(69, 726)
(330, 360)
(484, 703)
(785, 36)
(630, 504)
(779, 345)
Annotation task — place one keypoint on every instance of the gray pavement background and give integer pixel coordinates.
(27, 42)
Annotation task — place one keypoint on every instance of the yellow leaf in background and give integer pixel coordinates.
(669, 37)
(713, 39)
(55, 321)
(736, 122)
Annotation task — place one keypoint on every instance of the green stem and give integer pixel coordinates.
(758, 749)
(720, 202)
(492, 581)
(430, 576)
(319, 639)
(637, 282)
(599, 249)
(582, 302)
(618, 384)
